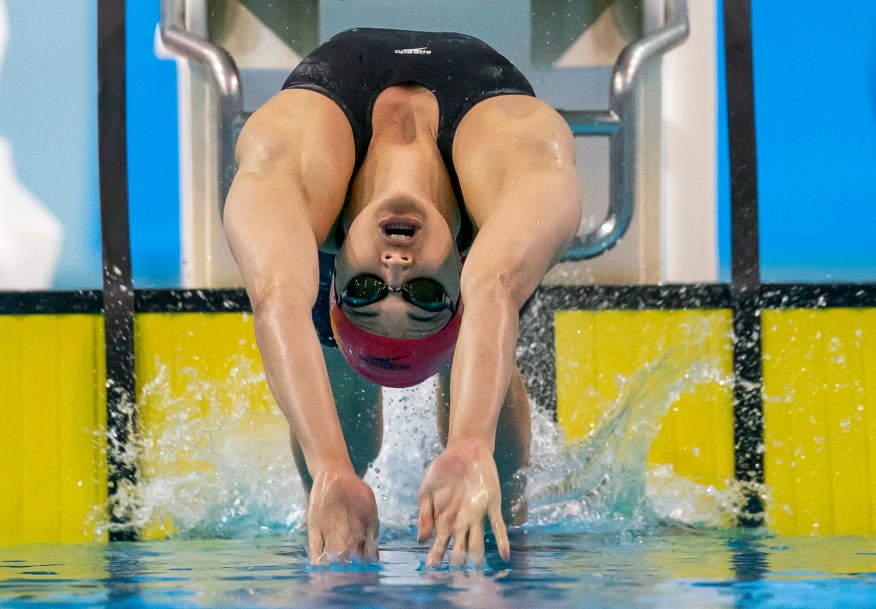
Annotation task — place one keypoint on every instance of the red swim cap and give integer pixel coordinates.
(393, 362)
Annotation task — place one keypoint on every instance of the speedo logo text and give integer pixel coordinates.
(420, 51)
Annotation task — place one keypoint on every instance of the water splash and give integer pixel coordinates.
(410, 443)
(600, 482)
(680, 501)
(214, 460)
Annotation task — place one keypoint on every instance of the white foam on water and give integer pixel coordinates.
(216, 468)
(602, 482)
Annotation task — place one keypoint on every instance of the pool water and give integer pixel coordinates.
(603, 529)
(671, 568)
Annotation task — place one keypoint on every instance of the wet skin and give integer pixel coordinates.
(514, 157)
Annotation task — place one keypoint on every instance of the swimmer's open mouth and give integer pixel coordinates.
(399, 229)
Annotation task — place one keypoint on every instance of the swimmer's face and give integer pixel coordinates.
(399, 239)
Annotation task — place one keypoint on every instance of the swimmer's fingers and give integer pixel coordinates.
(439, 548)
(370, 549)
(499, 530)
(315, 545)
(460, 547)
(340, 543)
(476, 543)
(355, 546)
(366, 545)
(425, 519)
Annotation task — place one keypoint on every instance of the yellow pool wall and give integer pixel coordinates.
(52, 417)
(819, 406)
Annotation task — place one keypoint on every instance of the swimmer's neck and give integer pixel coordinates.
(403, 155)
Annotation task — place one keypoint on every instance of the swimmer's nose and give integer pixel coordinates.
(395, 258)
(396, 263)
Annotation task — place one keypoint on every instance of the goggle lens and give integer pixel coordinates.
(364, 290)
(424, 293)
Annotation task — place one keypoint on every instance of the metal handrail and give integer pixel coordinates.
(620, 124)
(226, 78)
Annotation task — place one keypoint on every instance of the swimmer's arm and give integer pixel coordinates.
(523, 192)
(274, 240)
(516, 169)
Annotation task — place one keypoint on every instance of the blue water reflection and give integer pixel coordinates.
(671, 568)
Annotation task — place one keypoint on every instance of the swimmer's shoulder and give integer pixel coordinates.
(293, 114)
(493, 116)
(505, 135)
(298, 149)
(508, 132)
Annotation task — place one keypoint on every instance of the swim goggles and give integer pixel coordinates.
(423, 293)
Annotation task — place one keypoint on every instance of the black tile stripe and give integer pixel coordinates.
(192, 301)
(748, 402)
(118, 292)
(745, 255)
(51, 302)
(550, 298)
(818, 295)
(637, 297)
(744, 235)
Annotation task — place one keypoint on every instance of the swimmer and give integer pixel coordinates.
(396, 203)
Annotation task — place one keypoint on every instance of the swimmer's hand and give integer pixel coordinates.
(341, 518)
(460, 490)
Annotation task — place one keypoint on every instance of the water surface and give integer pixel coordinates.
(672, 568)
